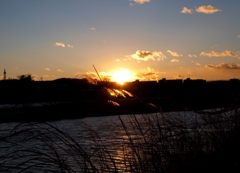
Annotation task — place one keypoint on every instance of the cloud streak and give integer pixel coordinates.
(174, 53)
(70, 46)
(147, 55)
(191, 56)
(59, 70)
(140, 1)
(197, 64)
(59, 44)
(219, 54)
(174, 60)
(225, 66)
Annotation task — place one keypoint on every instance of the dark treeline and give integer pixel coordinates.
(86, 98)
(189, 92)
(29, 91)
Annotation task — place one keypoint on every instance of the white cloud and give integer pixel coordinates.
(148, 74)
(147, 55)
(209, 9)
(59, 70)
(117, 60)
(131, 4)
(174, 60)
(138, 2)
(48, 69)
(34, 76)
(70, 46)
(174, 53)
(45, 76)
(186, 10)
(198, 64)
(93, 29)
(59, 44)
(192, 55)
(219, 54)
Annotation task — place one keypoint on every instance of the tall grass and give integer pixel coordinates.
(200, 142)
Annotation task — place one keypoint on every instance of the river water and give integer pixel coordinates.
(90, 134)
(79, 145)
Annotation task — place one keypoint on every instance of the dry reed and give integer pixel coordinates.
(152, 143)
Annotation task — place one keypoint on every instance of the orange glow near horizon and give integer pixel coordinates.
(122, 75)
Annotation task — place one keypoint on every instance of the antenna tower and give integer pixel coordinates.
(4, 75)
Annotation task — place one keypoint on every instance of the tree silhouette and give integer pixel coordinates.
(25, 77)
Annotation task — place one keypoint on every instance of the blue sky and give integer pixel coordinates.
(153, 39)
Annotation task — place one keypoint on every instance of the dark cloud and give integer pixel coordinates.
(144, 54)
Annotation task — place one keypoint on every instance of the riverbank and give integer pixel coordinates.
(52, 111)
(73, 110)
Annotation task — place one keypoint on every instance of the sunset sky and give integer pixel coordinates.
(149, 39)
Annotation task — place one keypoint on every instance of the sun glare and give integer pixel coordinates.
(122, 75)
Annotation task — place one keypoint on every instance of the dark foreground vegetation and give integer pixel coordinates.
(206, 141)
(170, 143)
(28, 100)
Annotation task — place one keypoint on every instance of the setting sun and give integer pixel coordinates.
(122, 75)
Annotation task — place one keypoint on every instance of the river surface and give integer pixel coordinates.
(40, 147)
